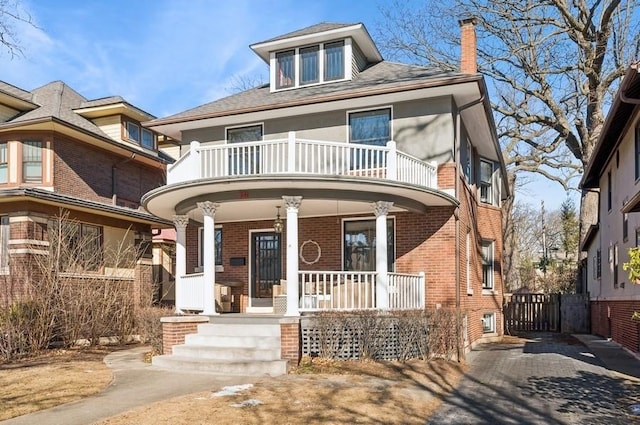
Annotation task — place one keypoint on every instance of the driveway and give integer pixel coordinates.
(545, 379)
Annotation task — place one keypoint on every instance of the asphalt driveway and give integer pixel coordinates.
(546, 379)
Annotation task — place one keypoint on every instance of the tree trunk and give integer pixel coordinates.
(510, 263)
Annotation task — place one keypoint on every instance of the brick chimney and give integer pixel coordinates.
(468, 55)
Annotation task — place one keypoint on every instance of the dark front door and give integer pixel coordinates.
(266, 267)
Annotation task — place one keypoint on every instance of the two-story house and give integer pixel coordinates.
(62, 155)
(347, 182)
(614, 172)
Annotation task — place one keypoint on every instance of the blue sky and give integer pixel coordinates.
(167, 56)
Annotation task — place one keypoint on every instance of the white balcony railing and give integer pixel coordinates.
(326, 290)
(301, 156)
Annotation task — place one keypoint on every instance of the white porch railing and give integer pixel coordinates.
(327, 290)
(301, 156)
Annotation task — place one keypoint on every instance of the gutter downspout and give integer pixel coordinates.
(114, 185)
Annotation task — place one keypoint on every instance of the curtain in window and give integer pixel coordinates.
(334, 61)
(309, 65)
(285, 70)
(32, 162)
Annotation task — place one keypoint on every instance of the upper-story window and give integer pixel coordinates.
(486, 182)
(285, 69)
(141, 136)
(334, 61)
(310, 65)
(609, 191)
(244, 159)
(4, 163)
(32, 161)
(370, 127)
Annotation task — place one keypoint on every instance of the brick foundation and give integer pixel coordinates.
(612, 319)
(175, 328)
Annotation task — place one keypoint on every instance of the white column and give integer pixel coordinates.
(180, 221)
(292, 204)
(208, 257)
(381, 209)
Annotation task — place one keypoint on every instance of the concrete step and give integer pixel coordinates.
(233, 341)
(241, 318)
(239, 329)
(219, 367)
(226, 353)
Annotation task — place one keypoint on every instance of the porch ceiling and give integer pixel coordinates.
(255, 199)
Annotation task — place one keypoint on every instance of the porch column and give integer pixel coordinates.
(292, 203)
(381, 209)
(208, 257)
(180, 222)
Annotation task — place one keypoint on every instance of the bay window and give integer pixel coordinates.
(4, 163)
(32, 161)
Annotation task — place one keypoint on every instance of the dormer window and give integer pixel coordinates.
(308, 65)
(141, 136)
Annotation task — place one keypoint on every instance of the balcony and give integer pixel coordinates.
(295, 156)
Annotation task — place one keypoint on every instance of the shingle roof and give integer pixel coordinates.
(15, 91)
(57, 100)
(381, 75)
(313, 29)
(102, 101)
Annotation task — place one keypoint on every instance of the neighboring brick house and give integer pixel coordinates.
(347, 182)
(89, 159)
(614, 172)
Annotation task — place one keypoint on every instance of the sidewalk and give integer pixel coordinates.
(135, 384)
(613, 356)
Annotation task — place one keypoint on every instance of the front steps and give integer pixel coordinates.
(229, 347)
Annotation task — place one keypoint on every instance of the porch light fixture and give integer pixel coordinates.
(278, 225)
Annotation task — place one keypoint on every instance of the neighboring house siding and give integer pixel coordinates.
(7, 113)
(111, 126)
(87, 173)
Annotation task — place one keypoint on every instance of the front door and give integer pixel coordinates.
(266, 267)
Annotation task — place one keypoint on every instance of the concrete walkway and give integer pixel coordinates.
(135, 384)
(549, 379)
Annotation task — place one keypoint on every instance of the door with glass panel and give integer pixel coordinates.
(266, 266)
(244, 160)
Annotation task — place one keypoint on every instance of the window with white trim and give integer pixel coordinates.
(469, 286)
(359, 238)
(309, 65)
(303, 66)
(334, 61)
(217, 235)
(488, 323)
(142, 136)
(487, 264)
(486, 182)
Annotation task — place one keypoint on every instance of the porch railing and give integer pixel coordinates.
(191, 292)
(302, 156)
(406, 291)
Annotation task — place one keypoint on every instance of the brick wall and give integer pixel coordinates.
(175, 328)
(87, 172)
(612, 319)
(290, 340)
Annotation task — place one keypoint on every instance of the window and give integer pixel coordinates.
(285, 69)
(148, 139)
(637, 152)
(468, 162)
(469, 286)
(609, 191)
(486, 176)
(487, 264)
(309, 65)
(334, 61)
(218, 246)
(598, 264)
(625, 227)
(244, 160)
(4, 244)
(638, 236)
(31, 161)
(133, 132)
(613, 263)
(370, 127)
(360, 245)
(488, 323)
(4, 163)
(80, 245)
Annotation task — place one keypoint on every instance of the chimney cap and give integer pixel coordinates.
(468, 20)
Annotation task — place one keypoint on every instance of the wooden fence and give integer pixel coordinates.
(532, 312)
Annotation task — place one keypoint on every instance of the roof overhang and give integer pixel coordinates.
(62, 127)
(55, 199)
(122, 108)
(625, 105)
(251, 198)
(592, 232)
(16, 102)
(358, 32)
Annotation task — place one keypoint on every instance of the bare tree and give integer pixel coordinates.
(11, 13)
(552, 68)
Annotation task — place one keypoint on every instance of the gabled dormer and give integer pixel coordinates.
(319, 54)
